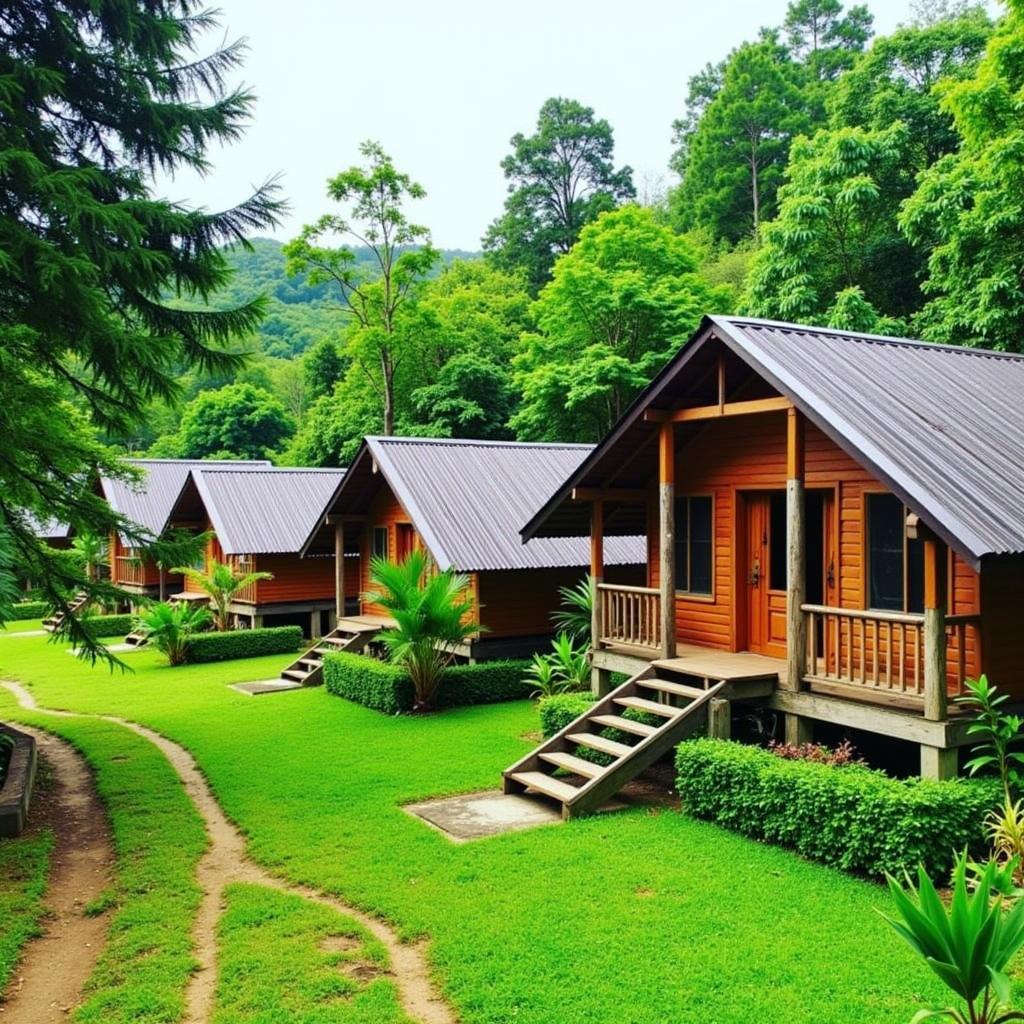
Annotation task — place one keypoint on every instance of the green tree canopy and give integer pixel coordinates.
(619, 305)
(371, 304)
(560, 179)
(93, 99)
(733, 162)
(323, 366)
(825, 39)
(472, 397)
(967, 212)
(239, 421)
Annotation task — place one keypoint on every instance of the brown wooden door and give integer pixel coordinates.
(765, 579)
(405, 541)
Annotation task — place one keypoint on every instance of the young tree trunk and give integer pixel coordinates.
(756, 197)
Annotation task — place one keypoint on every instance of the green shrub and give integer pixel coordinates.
(30, 610)
(108, 625)
(388, 688)
(558, 711)
(850, 817)
(244, 643)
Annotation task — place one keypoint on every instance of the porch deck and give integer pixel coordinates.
(746, 674)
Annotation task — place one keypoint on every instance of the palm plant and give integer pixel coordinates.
(967, 945)
(171, 626)
(91, 551)
(575, 617)
(222, 584)
(433, 614)
(564, 669)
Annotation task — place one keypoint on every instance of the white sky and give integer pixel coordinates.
(443, 85)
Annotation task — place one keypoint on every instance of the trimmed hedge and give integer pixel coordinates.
(850, 817)
(388, 688)
(108, 625)
(244, 643)
(558, 711)
(30, 610)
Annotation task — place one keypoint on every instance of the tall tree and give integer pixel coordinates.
(618, 307)
(472, 397)
(825, 39)
(94, 97)
(403, 255)
(735, 159)
(967, 213)
(560, 179)
(323, 366)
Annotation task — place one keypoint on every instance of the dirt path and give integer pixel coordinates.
(48, 981)
(226, 861)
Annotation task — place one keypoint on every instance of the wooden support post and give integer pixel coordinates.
(596, 568)
(667, 536)
(339, 571)
(939, 763)
(798, 730)
(796, 590)
(719, 718)
(314, 625)
(935, 561)
(163, 583)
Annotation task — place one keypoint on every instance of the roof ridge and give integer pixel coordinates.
(881, 339)
(475, 442)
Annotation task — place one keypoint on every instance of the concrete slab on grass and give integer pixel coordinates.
(26, 632)
(262, 686)
(477, 815)
(113, 648)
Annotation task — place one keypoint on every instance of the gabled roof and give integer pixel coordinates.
(467, 499)
(258, 510)
(941, 426)
(148, 503)
(48, 529)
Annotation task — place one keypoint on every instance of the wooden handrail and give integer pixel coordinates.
(909, 618)
(628, 590)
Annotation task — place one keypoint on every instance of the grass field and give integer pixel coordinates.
(640, 917)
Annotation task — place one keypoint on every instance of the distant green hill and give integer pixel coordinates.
(298, 313)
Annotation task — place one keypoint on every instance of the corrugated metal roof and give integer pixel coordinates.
(258, 511)
(148, 503)
(467, 500)
(941, 426)
(48, 529)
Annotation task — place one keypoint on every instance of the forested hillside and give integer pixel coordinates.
(822, 175)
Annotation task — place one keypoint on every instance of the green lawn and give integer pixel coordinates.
(639, 917)
(24, 863)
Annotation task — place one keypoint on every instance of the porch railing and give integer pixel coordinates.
(629, 616)
(130, 569)
(884, 651)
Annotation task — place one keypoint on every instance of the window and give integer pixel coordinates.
(895, 564)
(380, 542)
(694, 547)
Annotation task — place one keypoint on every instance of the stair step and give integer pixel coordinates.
(546, 784)
(293, 673)
(650, 706)
(624, 724)
(572, 763)
(666, 686)
(315, 662)
(595, 742)
(336, 641)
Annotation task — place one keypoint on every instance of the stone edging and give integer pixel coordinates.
(17, 788)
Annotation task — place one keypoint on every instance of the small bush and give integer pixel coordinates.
(558, 711)
(244, 643)
(388, 688)
(30, 610)
(108, 625)
(850, 817)
(844, 754)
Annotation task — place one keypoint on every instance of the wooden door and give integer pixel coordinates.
(405, 541)
(765, 580)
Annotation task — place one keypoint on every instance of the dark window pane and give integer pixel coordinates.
(885, 552)
(682, 544)
(915, 575)
(380, 542)
(778, 567)
(701, 547)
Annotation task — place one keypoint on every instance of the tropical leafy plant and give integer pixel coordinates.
(433, 614)
(223, 585)
(969, 944)
(575, 617)
(564, 669)
(171, 626)
(91, 552)
(547, 682)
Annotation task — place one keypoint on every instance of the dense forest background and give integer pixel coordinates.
(820, 175)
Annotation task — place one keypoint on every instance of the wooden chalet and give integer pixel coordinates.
(148, 504)
(835, 530)
(258, 519)
(463, 502)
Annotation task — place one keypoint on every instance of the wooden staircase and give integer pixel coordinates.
(677, 700)
(53, 622)
(350, 635)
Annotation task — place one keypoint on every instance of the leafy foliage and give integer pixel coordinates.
(1001, 736)
(564, 668)
(620, 304)
(969, 945)
(560, 179)
(244, 643)
(223, 584)
(170, 627)
(575, 617)
(433, 614)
